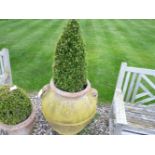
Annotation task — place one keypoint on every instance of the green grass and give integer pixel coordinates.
(108, 43)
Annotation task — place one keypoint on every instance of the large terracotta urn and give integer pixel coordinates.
(68, 113)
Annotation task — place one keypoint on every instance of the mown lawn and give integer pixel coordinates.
(108, 43)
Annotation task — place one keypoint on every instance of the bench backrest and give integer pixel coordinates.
(137, 84)
(5, 69)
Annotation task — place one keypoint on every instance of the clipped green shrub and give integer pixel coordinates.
(69, 66)
(15, 106)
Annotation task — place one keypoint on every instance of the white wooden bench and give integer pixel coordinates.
(5, 69)
(132, 110)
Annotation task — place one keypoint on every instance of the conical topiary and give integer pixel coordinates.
(70, 66)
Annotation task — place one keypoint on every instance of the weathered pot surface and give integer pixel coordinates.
(23, 128)
(68, 113)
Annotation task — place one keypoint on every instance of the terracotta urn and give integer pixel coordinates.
(23, 128)
(68, 113)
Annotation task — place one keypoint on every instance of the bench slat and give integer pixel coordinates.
(131, 87)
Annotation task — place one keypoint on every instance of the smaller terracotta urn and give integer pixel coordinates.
(23, 128)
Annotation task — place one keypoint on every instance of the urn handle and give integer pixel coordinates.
(43, 90)
(94, 93)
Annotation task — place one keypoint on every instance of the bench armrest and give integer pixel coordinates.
(119, 108)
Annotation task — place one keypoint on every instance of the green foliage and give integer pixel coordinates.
(15, 106)
(70, 67)
(108, 43)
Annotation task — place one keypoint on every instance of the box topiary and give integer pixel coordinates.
(15, 106)
(69, 72)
